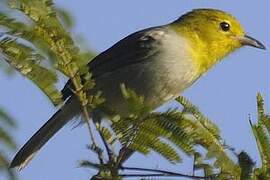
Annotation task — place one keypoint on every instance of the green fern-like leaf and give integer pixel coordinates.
(262, 135)
(7, 119)
(166, 150)
(49, 29)
(6, 142)
(6, 138)
(266, 122)
(183, 129)
(24, 59)
(174, 127)
(189, 108)
(199, 164)
(6, 122)
(107, 134)
(263, 142)
(10, 23)
(147, 138)
(135, 103)
(208, 137)
(4, 163)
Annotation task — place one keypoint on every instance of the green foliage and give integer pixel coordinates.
(200, 164)
(184, 129)
(208, 137)
(166, 133)
(261, 131)
(36, 43)
(40, 35)
(24, 59)
(7, 143)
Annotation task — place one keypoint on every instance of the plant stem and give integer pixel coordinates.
(108, 150)
(158, 173)
(88, 125)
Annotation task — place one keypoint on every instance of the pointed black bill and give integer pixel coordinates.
(250, 41)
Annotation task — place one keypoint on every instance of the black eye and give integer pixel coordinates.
(225, 26)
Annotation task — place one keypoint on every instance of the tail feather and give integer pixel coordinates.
(39, 139)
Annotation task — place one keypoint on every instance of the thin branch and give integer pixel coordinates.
(123, 156)
(159, 173)
(86, 119)
(193, 166)
(87, 122)
(108, 150)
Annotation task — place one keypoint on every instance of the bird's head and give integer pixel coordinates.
(212, 34)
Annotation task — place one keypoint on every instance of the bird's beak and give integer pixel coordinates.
(250, 41)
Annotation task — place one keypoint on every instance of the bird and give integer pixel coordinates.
(158, 63)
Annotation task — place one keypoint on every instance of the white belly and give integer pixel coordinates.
(158, 80)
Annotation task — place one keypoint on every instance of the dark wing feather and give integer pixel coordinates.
(133, 49)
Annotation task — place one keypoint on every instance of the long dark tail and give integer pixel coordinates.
(39, 139)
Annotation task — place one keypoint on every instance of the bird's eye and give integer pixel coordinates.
(224, 26)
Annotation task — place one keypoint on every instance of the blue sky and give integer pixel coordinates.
(226, 94)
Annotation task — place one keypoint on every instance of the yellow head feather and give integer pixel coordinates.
(211, 34)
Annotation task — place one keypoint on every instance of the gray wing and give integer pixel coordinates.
(133, 49)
